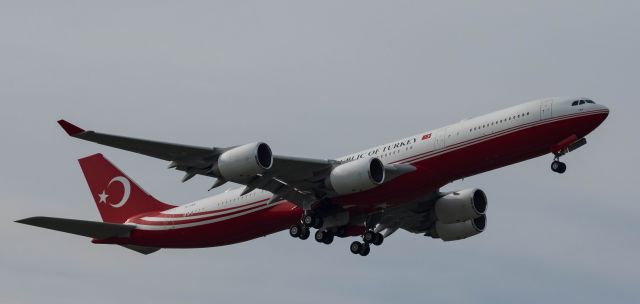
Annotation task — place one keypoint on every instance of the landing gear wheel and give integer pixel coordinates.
(328, 239)
(365, 250)
(308, 220)
(320, 236)
(558, 167)
(305, 233)
(369, 237)
(378, 239)
(323, 236)
(295, 231)
(311, 220)
(356, 247)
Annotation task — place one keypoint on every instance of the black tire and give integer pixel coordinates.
(320, 236)
(379, 239)
(356, 247)
(305, 233)
(295, 231)
(364, 251)
(369, 237)
(563, 168)
(328, 238)
(555, 166)
(309, 220)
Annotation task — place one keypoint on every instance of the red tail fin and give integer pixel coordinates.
(117, 197)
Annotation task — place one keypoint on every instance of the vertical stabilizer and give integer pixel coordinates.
(117, 197)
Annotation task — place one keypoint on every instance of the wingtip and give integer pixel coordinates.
(70, 128)
(27, 221)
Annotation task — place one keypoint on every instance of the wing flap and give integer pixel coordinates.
(96, 230)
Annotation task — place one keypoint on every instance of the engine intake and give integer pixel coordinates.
(356, 176)
(460, 206)
(243, 162)
(458, 231)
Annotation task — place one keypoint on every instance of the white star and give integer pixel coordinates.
(103, 196)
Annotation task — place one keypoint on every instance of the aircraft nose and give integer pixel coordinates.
(603, 113)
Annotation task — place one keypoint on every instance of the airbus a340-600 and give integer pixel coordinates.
(368, 194)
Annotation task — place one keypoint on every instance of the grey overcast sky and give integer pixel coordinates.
(318, 79)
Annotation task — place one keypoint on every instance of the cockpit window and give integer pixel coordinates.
(581, 102)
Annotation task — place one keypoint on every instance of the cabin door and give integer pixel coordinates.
(545, 109)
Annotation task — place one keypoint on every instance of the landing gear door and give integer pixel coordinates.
(545, 109)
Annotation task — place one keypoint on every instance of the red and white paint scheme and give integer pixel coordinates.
(370, 194)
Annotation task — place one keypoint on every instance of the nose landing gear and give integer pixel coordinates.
(558, 167)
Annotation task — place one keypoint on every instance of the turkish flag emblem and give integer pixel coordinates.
(427, 136)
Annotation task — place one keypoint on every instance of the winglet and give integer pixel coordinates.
(70, 128)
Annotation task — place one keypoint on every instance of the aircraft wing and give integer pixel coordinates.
(298, 180)
(157, 149)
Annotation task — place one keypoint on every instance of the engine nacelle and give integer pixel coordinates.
(243, 162)
(460, 206)
(356, 176)
(458, 231)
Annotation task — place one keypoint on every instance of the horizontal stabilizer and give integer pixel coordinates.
(96, 230)
(142, 249)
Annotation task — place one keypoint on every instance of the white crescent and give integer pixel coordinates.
(127, 190)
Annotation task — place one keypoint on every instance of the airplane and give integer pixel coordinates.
(369, 194)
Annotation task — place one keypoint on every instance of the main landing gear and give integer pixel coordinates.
(302, 230)
(369, 237)
(312, 220)
(299, 231)
(326, 236)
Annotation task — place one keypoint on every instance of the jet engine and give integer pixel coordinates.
(460, 206)
(243, 162)
(356, 176)
(458, 231)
